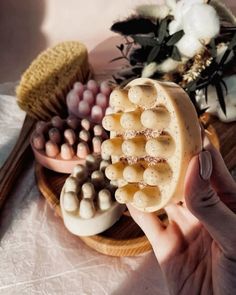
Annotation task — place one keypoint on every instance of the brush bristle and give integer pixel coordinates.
(43, 86)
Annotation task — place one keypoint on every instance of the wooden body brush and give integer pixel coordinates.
(41, 93)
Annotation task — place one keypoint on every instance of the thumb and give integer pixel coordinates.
(206, 205)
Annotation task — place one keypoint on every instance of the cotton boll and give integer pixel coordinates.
(188, 45)
(168, 65)
(171, 4)
(175, 26)
(179, 10)
(212, 102)
(154, 11)
(184, 6)
(201, 21)
(149, 70)
(231, 86)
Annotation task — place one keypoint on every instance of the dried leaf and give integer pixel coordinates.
(153, 54)
(134, 26)
(120, 47)
(175, 38)
(117, 58)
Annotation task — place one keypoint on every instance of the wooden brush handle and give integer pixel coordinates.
(16, 160)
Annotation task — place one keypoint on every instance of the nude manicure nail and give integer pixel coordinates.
(205, 162)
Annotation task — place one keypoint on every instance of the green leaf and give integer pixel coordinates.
(175, 38)
(225, 86)
(145, 41)
(162, 30)
(176, 54)
(220, 95)
(153, 54)
(191, 86)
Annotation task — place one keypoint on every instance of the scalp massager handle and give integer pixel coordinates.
(17, 160)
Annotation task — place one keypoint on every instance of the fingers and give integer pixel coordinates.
(206, 205)
(149, 223)
(187, 222)
(166, 242)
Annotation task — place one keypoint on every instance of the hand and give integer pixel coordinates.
(197, 249)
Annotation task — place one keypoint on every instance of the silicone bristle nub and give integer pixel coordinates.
(157, 174)
(115, 171)
(119, 100)
(71, 202)
(143, 95)
(146, 197)
(151, 144)
(162, 146)
(133, 173)
(131, 120)
(112, 146)
(158, 118)
(134, 147)
(125, 193)
(112, 122)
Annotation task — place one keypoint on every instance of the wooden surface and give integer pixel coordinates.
(125, 238)
(226, 135)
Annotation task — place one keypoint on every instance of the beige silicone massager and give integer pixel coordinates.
(154, 132)
(87, 200)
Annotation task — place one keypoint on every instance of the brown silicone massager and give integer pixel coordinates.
(154, 132)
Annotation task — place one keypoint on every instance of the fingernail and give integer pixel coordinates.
(205, 162)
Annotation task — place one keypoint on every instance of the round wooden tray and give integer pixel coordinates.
(124, 238)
